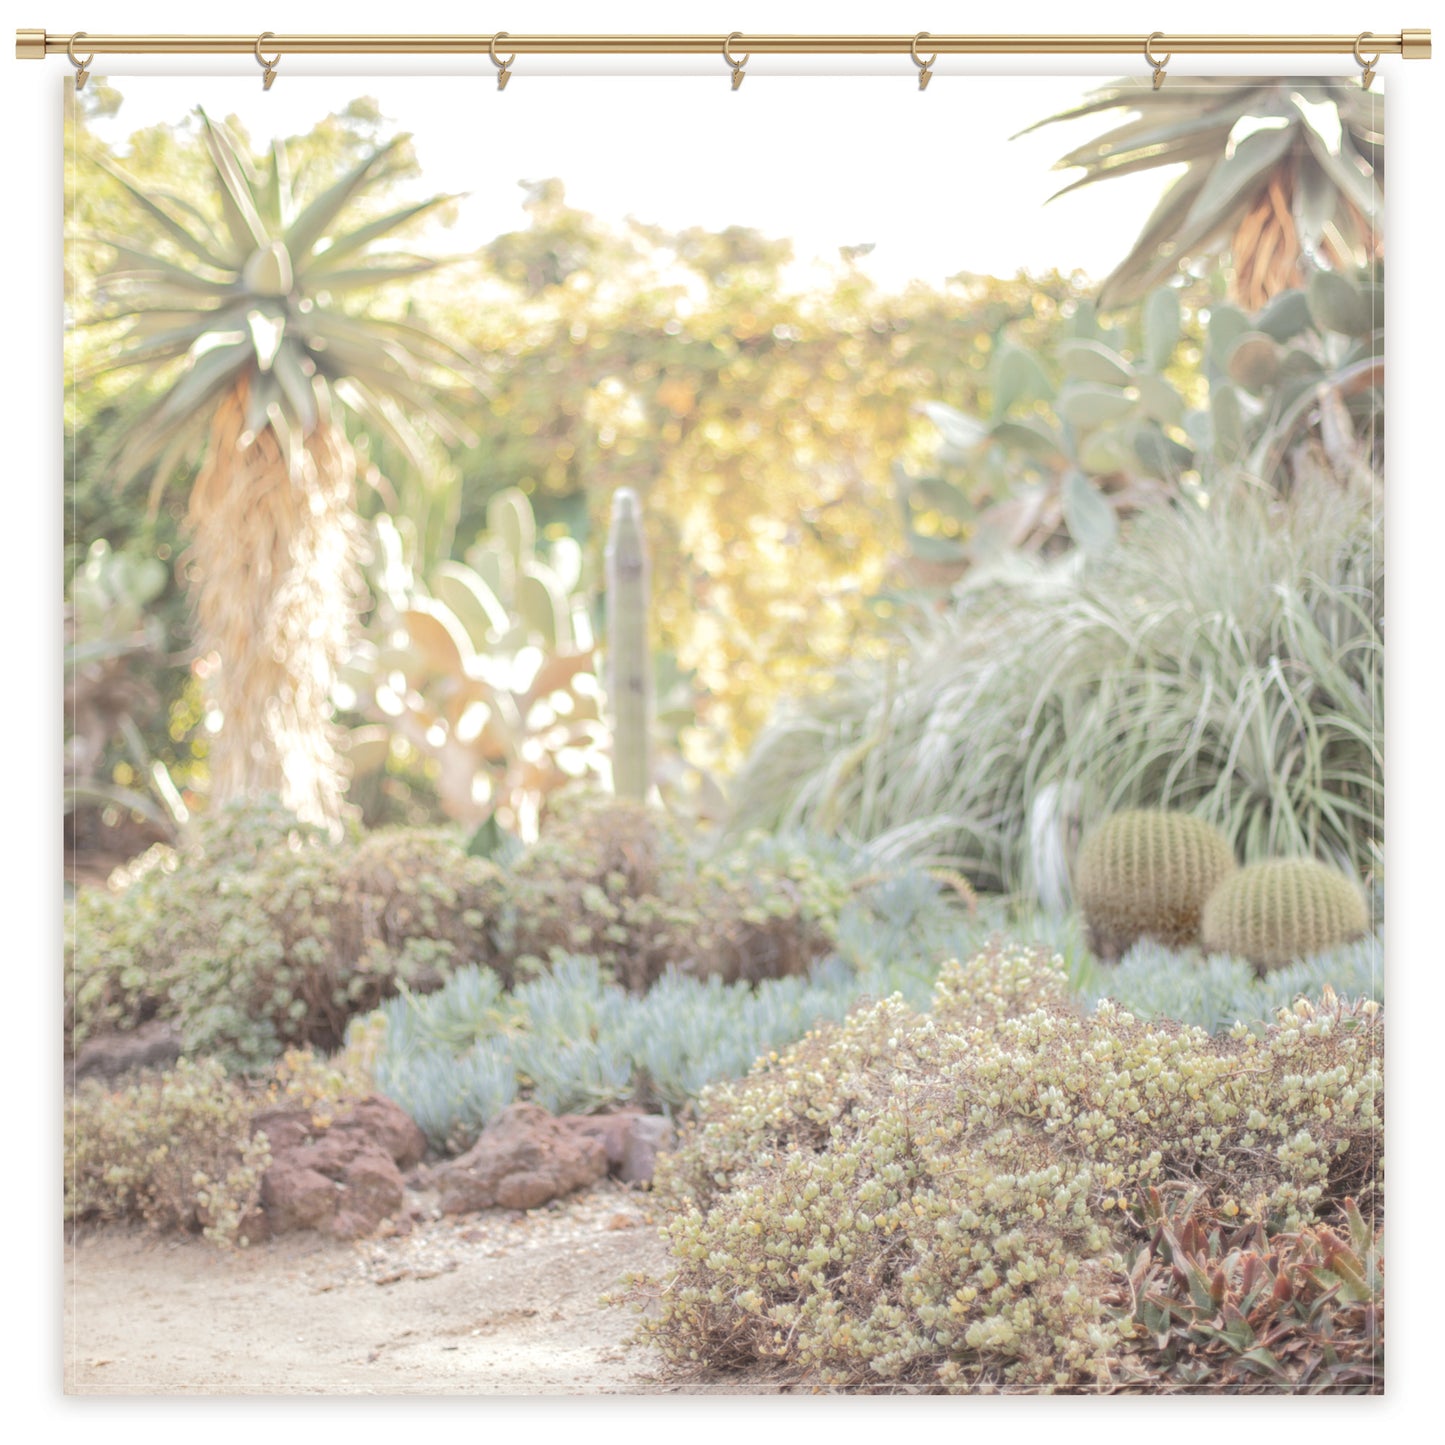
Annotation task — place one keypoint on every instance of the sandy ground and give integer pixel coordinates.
(498, 1303)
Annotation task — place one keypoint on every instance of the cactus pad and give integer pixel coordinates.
(1275, 912)
(1144, 874)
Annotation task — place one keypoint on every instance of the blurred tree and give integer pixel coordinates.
(238, 299)
(756, 408)
(1283, 174)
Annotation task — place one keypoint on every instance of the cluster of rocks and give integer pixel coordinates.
(345, 1179)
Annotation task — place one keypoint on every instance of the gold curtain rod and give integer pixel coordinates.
(1410, 44)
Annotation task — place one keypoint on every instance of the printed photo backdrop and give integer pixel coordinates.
(745, 707)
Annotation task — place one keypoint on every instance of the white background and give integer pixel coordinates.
(30, 406)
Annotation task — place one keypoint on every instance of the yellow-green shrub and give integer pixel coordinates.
(940, 1200)
(173, 1149)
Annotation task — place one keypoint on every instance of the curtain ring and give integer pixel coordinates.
(269, 66)
(1158, 65)
(737, 65)
(924, 73)
(82, 74)
(504, 73)
(1366, 66)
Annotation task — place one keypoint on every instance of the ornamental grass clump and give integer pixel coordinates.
(1226, 662)
(941, 1201)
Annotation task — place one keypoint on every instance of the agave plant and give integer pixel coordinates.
(246, 301)
(1283, 173)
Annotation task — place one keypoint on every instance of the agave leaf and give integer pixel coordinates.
(238, 206)
(1349, 173)
(338, 283)
(472, 601)
(962, 433)
(206, 375)
(1238, 176)
(1086, 406)
(353, 241)
(1088, 515)
(201, 247)
(1092, 361)
(1161, 326)
(1200, 149)
(309, 227)
(296, 387)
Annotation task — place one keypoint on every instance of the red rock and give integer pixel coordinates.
(344, 1179)
(523, 1158)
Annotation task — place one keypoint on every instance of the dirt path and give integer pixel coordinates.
(492, 1304)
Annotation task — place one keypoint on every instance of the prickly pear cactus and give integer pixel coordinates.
(629, 659)
(1283, 909)
(1147, 874)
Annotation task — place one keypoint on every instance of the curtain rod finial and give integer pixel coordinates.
(30, 44)
(1415, 44)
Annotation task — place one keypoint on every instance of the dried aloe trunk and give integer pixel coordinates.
(629, 659)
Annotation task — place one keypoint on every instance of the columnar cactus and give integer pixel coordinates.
(629, 658)
(1144, 874)
(1284, 909)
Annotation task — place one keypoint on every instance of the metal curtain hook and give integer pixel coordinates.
(82, 73)
(269, 66)
(504, 73)
(737, 65)
(1366, 66)
(924, 73)
(1158, 65)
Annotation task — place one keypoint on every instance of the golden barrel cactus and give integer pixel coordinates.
(1275, 912)
(1147, 874)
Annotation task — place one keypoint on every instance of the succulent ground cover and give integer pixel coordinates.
(946, 1200)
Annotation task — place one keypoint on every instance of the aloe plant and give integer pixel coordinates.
(1284, 174)
(243, 301)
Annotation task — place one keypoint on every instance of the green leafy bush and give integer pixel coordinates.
(1224, 661)
(263, 934)
(172, 1149)
(618, 881)
(941, 1201)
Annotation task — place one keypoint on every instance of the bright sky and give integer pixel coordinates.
(679, 151)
